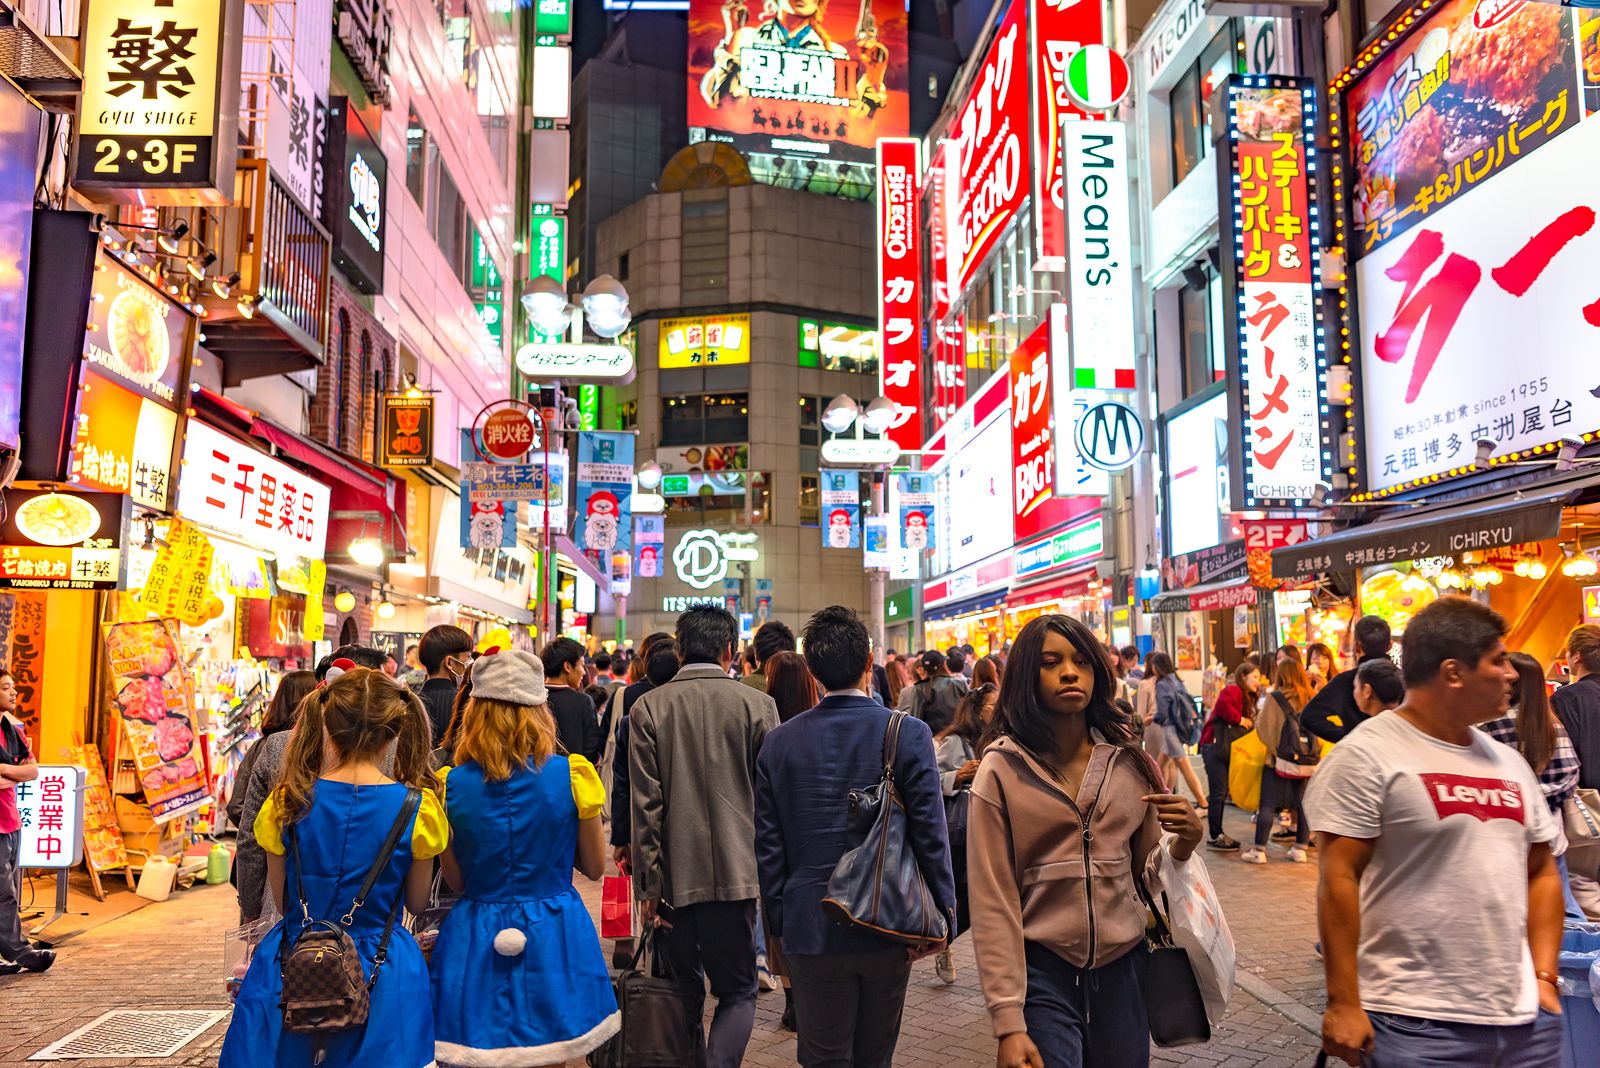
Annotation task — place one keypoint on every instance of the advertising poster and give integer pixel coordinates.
(703, 342)
(1275, 368)
(1475, 88)
(1032, 451)
(487, 524)
(841, 509)
(875, 555)
(1057, 30)
(799, 77)
(136, 333)
(22, 630)
(899, 288)
(150, 693)
(102, 837)
(649, 540)
(604, 489)
(916, 492)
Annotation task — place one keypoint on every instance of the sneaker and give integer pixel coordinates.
(7, 968)
(38, 960)
(764, 976)
(945, 965)
(1298, 854)
(1254, 856)
(1223, 843)
(1283, 832)
(1316, 947)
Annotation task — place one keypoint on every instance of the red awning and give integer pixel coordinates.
(364, 501)
(1056, 590)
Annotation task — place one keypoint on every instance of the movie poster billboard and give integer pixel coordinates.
(1474, 88)
(150, 694)
(832, 76)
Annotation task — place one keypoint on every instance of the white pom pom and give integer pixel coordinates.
(510, 942)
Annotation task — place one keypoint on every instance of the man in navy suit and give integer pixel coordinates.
(849, 984)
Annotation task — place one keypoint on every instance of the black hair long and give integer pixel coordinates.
(1022, 716)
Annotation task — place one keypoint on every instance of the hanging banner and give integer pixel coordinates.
(150, 684)
(407, 430)
(841, 508)
(1271, 275)
(649, 538)
(900, 288)
(875, 553)
(763, 601)
(22, 637)
(1057, 30)
(621, 572)
(178, 583)
(916, 490)
(314, 620)
(487, 524)
(604, 486)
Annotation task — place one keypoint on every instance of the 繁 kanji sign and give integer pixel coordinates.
(157, 121)
(1271, 278)
(51, 810)
(232, 488)
(900, 287)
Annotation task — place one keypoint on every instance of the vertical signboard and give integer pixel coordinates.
(1057, 29)
(935, 217)
(1032, 452)
(157, 121)
(899, 288)
(1276, 360)
(548, 256)
(1099, 254)
(1075, 477)
(915, 493)
(841, 509)
(355, 207)
(605, 484)
(987, 154)
(649, 538)
(949, 370)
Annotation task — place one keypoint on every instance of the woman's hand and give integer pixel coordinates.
(1018, 1051)
(1177, 816)
(968, 771)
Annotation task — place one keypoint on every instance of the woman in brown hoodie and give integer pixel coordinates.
(1066, 811)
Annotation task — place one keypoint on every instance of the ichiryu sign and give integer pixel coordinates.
(604, 364)
(862, 452)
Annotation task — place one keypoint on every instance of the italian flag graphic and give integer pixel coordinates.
(1097, 77)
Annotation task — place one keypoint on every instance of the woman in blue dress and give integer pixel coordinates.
(335, 800)
(518, 976)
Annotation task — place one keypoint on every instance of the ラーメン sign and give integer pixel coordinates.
(899, 288)
(158, 118)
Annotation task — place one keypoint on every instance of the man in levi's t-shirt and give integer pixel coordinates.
(1439, 903)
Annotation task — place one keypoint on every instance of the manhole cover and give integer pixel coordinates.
(132, 1033)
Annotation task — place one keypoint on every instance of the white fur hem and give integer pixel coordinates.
(529, 1056)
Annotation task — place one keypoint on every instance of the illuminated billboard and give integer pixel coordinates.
(799, 78)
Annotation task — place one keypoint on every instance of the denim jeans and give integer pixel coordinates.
(1087, 1017)
(1216, 757)
(1413, 1042)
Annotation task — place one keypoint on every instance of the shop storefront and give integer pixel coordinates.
(975, 621)
(899, 613)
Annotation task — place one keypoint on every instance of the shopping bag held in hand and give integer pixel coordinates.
(1199, 928)
(616, 907)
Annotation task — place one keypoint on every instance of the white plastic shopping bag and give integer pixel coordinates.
(1200, 929)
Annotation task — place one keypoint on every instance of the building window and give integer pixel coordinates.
(627, 415)
(811, 421)
(365, 406)
(1201, 326)
(704, 420)
(838, 347)
(810, 501)
(341, 351)
(1191, 104)
(416, 158)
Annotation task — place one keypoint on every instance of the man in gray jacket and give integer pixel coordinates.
(691, 756)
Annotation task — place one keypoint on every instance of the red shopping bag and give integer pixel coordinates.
(616, 907)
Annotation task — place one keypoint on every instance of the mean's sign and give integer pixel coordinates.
(158, 118)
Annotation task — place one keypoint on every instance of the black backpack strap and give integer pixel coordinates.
(407, 809)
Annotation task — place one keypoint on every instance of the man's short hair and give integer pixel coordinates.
(932, 663)
(1383, 677)
(838, 648)
(560, 654)
(602, 661)
(1583, 645)
(662, 664)
(363, 656)
(1372, 636)
(706, 634)
(956, 661)
(772, 637)
(1451, 628)
(440, 643)
(1129, 652)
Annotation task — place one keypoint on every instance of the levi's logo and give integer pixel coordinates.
(1484, 799)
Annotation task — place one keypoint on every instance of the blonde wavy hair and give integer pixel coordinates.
(362, 712)
(501, 737)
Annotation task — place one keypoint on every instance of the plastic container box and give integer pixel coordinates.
(1580, 1020)
(155, 881)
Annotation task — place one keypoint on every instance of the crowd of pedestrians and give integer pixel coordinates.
(1036, 799)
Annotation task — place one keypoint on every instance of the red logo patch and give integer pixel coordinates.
(1484, 799)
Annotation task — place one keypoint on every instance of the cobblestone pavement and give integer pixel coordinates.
(169, 956)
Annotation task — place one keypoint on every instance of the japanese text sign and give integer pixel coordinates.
(1057, 29)
(136, 334)
(178, 582)
(900, 288)
(23, 625)
(158, 116)
(841, 508)
(1032, 451)
(987, 154)
(407, 430)
(649, 536)
(1271, 278)
(123, 442)
(1470, 324)
(916, 492)
(604, 488)
(151, 697)
(62, 541)
(704, 342)
(1472, 89)
(246, 494)
(812, 80)
(51, 810)
(1099, 254)
(949, 368)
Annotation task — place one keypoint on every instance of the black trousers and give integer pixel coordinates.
(1216, 758)
(1277, 793)
(847, 1006)
(717, 940)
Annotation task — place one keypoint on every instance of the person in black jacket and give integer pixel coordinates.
(445, 652)
(577, 720)
(1338, 697)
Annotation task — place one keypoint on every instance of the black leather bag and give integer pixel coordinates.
(1172, 1001)
(877, 886)
(660, 1018)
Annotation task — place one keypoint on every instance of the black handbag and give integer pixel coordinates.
(955, 808)
(660, 1017)
(1172, 1001)
(878, 886)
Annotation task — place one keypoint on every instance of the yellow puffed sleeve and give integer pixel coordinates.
(269, 833)
(587, 793)
(443, 775)
(431, 833)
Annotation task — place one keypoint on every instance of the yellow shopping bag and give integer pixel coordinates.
(1245, 761)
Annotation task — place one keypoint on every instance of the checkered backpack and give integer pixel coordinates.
(324, 988)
